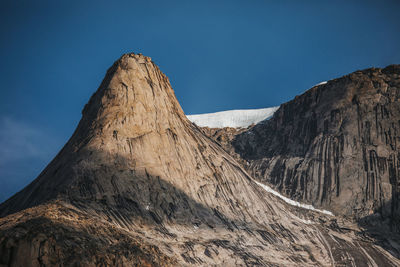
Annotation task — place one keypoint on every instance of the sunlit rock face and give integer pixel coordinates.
(139, 184)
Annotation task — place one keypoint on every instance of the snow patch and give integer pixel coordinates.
(321, 83)
(232, 118)
(292, 202)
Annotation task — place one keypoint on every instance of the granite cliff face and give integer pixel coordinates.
(335, 146)
(139, 184)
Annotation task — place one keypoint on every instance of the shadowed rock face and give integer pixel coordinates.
(336, 145)
(138, 184)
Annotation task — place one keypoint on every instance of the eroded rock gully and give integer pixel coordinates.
(139, 184)
(335, 146)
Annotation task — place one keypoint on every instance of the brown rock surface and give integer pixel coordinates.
(139, 184)
(335, 146)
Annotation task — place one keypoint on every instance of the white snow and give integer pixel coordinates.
(232, 118)
(321, 83)
(292, 202)
(245, 118)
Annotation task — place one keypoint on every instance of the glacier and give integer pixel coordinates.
(239, 118)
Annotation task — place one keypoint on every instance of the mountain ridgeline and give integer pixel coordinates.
(138, 184)
(335, 146)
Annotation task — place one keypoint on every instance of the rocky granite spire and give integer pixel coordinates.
(139, 184)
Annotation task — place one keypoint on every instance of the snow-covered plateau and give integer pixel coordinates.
(232, 118)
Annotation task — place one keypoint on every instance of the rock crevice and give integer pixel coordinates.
(139, 184)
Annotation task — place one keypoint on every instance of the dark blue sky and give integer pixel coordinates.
(219, 55)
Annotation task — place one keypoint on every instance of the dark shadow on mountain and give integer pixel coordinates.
(294, 126)
(52, 241)
(105, 184)
(110, 189)
(384, 226)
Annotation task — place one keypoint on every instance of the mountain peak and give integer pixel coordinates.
(135, 101)
(138, 181)
(134, 98)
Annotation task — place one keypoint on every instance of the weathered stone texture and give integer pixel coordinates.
(138, 184)
(335, 146)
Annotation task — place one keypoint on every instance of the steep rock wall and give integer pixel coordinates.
(139, 184)
(335, 146)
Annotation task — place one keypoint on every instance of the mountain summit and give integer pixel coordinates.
(139, 184)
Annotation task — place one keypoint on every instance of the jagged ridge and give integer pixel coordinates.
(334, 146)
(144, 175)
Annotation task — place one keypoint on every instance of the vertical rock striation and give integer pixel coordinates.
(335, 146)
(139, 184)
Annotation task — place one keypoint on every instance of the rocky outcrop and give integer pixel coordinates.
(139, 184)
(335, 146)
(61, 235)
